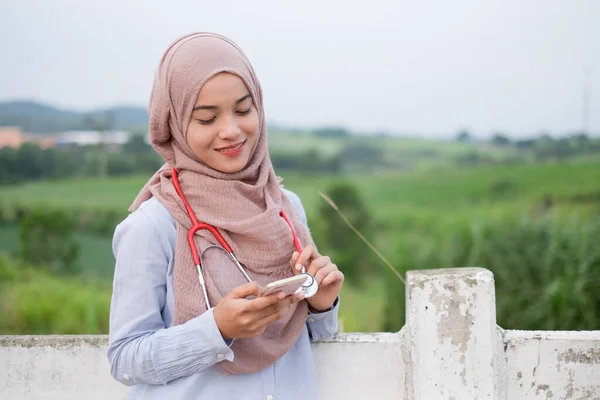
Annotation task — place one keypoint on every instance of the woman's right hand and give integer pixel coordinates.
(238, 317)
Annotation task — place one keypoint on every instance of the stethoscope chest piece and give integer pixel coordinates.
(309, 287)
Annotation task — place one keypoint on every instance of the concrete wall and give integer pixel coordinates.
(450, 348)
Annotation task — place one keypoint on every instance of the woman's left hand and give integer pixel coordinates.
(328, 277)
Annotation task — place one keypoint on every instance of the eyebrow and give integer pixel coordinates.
(215, 107)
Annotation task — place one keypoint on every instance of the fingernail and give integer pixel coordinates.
(295, 254)
(300, 296)
(298, 267)
(281, 295)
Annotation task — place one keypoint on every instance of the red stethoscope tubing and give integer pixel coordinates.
(197, 225)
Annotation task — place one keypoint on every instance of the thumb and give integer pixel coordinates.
(245, 290)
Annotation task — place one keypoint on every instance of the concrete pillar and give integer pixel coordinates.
(451, 321)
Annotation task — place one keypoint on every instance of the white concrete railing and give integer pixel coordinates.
(450, 348)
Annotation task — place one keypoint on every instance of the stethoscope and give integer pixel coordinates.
(309, 287)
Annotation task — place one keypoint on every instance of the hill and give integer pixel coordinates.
(41, 118)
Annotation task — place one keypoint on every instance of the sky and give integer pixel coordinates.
(426, 68)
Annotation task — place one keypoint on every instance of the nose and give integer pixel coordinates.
(230, 129)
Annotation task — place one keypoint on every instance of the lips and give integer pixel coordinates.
(231, 148)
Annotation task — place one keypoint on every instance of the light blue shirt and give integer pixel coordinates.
(162, 361)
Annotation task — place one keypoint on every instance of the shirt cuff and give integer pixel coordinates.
(219, 342)
(333, 306)
(190, 347)
(323, 325)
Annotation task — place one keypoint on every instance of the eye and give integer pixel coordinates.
(244, 112)
(207, 121)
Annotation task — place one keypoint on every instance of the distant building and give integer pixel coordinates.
(13, 136)
(89, 138)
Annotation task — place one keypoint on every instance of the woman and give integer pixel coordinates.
(168, 340)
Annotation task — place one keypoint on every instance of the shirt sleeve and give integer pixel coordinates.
(141, 348)
(324, 325)
(298, 207)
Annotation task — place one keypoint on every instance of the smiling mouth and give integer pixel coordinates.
(233, 147)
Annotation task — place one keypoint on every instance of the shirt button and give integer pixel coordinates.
(311, 320)
(269, 397)
(220, 356)
(126, 377)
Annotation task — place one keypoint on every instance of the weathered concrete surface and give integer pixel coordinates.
(450, 348)
(350, 366)
(361, 366)
(451, 319)
(56, 367)
(552, 365)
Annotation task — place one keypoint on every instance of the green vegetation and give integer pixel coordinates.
(527, 210)
(35, 302)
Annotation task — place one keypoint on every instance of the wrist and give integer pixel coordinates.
(319, 309)
(221, 324)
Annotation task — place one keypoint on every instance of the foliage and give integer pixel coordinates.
(35, 302)
(546, 268)
(29, 162)
(309, 162)
(332, 132)
(337, 240)
(427, 218)
(46, 239)
(362, 156)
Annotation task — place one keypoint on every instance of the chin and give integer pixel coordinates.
(231, 168)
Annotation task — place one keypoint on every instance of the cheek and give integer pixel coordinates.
(197, 137)
(250, 124)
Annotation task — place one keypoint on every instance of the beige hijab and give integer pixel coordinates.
(244, 206)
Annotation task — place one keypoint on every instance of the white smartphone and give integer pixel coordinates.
(287, 285)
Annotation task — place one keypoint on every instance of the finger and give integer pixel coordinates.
(321, 273)
(308, 252)
(316, 265)
(286, 302)
(262, 302)
(293, 261)
(280, 311)
(334, 277)
(270, 319)
(245, 290)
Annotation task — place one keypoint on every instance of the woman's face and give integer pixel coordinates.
(223, 127)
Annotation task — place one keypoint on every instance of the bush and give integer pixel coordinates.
(8, 271)
(547, 270)
(46, 239)
(97, 220)
(338, 240)
(44, 304)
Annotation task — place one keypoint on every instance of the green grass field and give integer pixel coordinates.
(437, 191)
(285, 142)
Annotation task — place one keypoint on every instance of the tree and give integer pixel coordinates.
(343, 245)
(29, 160)
(362, 155)
(500, 139)
(332, 132)
(137, 145)
(464, 136)
(46, 240)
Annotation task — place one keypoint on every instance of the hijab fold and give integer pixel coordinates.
(244, 206)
